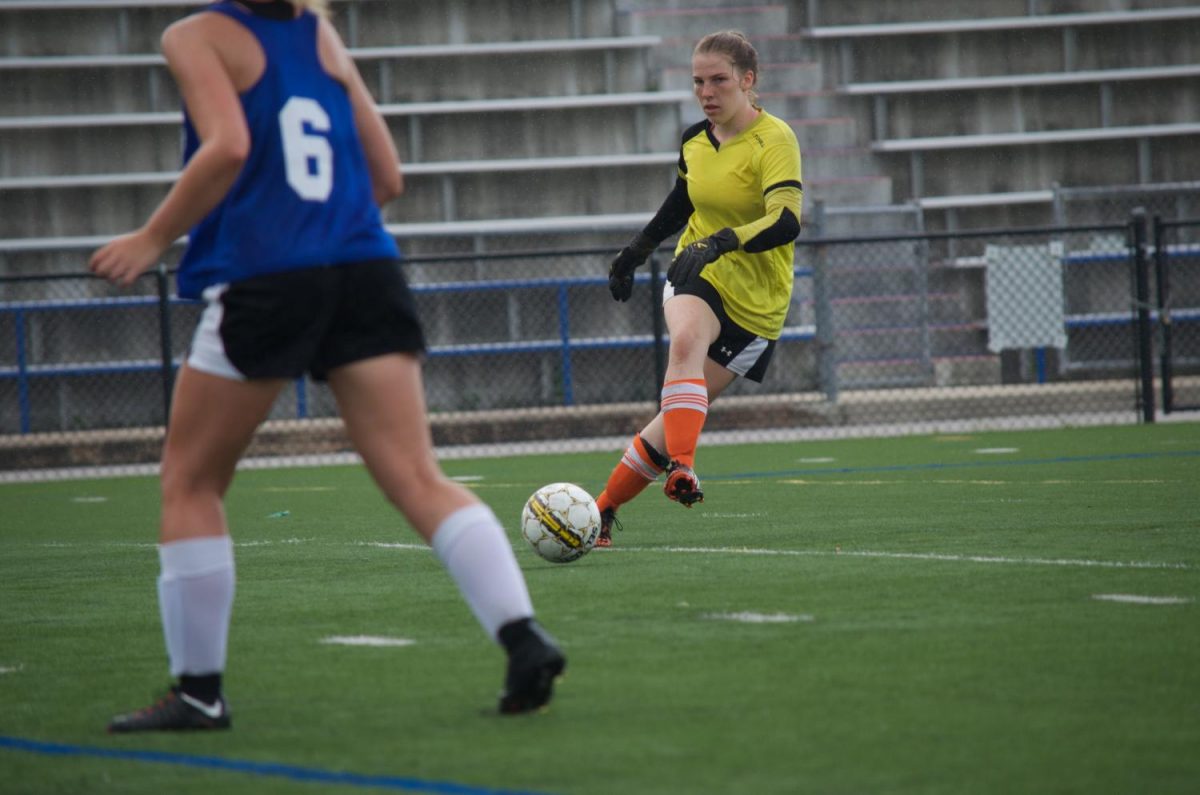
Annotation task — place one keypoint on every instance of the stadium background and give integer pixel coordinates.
(1001, 227)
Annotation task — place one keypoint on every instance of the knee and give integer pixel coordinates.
(687, 345)
(413, 480)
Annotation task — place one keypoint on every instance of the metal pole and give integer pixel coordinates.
(164, 337)
(823, 312)
(1166, 366)
(657, 325)
(1144, 341)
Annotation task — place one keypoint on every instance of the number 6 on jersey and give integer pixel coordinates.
(308, 157)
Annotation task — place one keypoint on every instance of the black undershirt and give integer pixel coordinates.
(276, 9)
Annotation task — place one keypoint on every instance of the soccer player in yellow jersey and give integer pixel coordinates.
(738, 193)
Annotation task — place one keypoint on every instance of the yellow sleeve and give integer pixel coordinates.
(782, 191)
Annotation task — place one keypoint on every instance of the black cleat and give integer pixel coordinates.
(682, 485)
(534, 662)
(608, 518)
(174, 711)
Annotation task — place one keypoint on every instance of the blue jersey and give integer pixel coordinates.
(304, 197)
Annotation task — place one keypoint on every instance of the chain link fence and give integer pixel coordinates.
(901, 334)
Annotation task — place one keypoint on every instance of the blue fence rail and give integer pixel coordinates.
(25, 373)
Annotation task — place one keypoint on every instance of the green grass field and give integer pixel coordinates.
(936, 629)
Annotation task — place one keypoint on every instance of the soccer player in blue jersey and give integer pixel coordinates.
(737, 199)
(287, 161)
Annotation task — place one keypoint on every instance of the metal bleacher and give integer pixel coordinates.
(943, 98)
(545, 124)
(487, 127)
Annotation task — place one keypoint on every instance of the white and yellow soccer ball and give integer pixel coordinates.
(561, 522)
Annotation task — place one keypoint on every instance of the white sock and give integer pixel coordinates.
(195, 595)
(473, 547)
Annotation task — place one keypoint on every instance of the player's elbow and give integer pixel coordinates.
(388, 185)
(229, 152)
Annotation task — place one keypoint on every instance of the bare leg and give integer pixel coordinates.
(382, 401)
(383, 404)
(212, 422)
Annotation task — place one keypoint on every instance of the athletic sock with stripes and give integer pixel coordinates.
(638, 468)
(684, 407)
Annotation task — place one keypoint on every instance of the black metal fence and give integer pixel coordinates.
(910, 333)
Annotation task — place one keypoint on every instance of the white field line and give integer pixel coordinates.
(809, 553)
(935, 556)
(759, 618)
(1141, 600)
(365, 640)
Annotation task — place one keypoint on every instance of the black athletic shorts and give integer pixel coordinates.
(310, 320)
(739, 351)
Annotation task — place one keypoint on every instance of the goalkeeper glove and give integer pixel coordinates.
(620, 272)
(695, 256)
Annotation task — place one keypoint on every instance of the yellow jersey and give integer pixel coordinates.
(746, 184)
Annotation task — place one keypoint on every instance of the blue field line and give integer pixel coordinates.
(269, 769)
(1067, 459)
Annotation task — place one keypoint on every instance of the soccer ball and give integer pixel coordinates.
(561, 522)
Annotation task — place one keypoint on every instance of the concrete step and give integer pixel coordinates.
(838, 162)
(110, 29)
(531, 192)
(772, 47)
(781, 76)
(939, 371)
(824, 132)
(694, 23)
(839, 191)
(138, 84)
(899, 310)
(890, 342)
(111, 144)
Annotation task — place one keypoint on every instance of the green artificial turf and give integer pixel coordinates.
(906, 615)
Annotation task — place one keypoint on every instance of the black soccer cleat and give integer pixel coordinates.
(608, 519)
(173, 712)
(682, 485)
(534, 662)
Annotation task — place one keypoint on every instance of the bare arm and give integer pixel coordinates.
(383, 162)
(216, 112)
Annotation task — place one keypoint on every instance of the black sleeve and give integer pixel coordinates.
(673, 214)
(780, 233)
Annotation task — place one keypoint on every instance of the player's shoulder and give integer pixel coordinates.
(199, 26)
(696, 129)
(770, 131)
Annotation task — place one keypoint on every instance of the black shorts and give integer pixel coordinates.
(310, 320)
(739, 351)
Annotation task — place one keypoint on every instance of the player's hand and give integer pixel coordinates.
(689, 262)
(125, 258)
(628, 260)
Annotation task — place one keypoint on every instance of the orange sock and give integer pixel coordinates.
(684, 407)
(639, 467)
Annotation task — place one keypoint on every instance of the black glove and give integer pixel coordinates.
(620, 272)
(695, 256)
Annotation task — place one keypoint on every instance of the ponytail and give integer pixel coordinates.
(318, 7)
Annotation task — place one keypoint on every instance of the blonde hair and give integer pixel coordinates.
(318, 7)
(734, 45)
